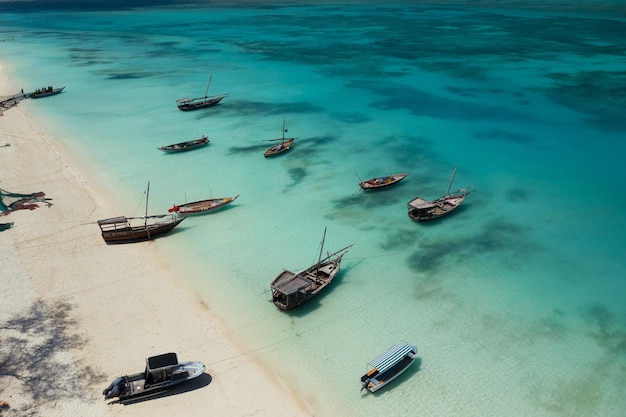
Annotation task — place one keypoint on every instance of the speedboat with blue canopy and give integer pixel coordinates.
(387, 366)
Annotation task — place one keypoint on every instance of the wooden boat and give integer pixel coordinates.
(290, 290)
(381, 182)
(162, 372)
(387, 366)
(185, 146)
(123, 230)
(283, 146)
(186, 104)
(202, 206)
(421, 210)
(46, 92)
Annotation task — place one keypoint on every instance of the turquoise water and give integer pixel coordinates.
(516, 302)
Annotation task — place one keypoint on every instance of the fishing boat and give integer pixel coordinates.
(381, 182)
(185, 146)
(129, 229)
(186, 104)
(161, 373)
(283, 146)
(421, 210)
(387, 366)
(290, 290)
(202, 206)
(46, 92)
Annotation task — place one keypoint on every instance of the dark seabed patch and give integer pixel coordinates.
(600, 95)
(241, 108)
(516, 195)
(497, 236)
(501, 135)
(606, 330)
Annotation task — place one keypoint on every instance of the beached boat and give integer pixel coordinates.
(387, 366)
(381, 182)
(136, 229)
(421, 210)
(202, 206)
(290, 290)
(162, 372)
(186, 104)
(186, 146)
(46, 92)
(283, 146)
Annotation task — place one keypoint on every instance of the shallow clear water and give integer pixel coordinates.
(516, 302)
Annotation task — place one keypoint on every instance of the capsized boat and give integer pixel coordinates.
(421, 210)
(387, 366)
(381, 182)
(290, 290)
(162, 372)
(202, 206)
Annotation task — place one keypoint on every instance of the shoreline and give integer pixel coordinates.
(95, 311)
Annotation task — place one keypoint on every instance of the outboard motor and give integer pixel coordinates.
(115, 389)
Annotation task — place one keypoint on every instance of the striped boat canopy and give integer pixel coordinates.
(392, 356)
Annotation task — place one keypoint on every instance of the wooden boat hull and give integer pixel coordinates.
(198, 103)
(421, 210)
(185, 146)
(374, 380)
(202, 206)
(279, 148)
(132, 234)
(382, 182)
(291, 290)
(42, 94)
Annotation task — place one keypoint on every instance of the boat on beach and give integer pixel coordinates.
(283, 146)
(123, 229)
(161, 373)
(46, 92)
(202, 206)
(291, 290)
(387, 366)
(381, 182)
(185, 146)
(421, 210)
(186, 104)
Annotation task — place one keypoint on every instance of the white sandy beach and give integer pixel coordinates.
(75, 313)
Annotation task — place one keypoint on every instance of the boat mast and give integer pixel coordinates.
(451, 179)
(145, 218)
(206, 92)
(283, 129)
(319, 259)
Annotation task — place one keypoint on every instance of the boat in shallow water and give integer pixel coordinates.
(291, 290)
(185, 146)
(186, 104)
(387, 366)
(283, 146)
(381, 182)
(202, 206)
(46, 92)
(421, 210)
(162, 372)
(123, 229)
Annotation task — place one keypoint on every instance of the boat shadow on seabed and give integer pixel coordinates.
(200, 382)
